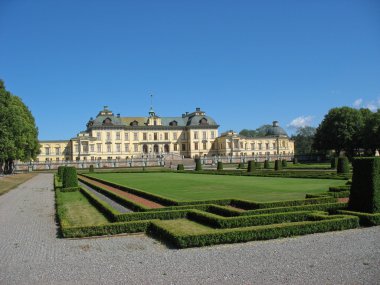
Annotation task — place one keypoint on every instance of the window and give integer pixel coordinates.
(136, 147)
(274, 145)
(57, 151)
(99, 136)
(173, 123)
(91, 147)
(196, 146)
(183, 136)
(204, 145)
(204, 135)
(118, 147)
(175, 147)
(126, 136)
(57, 159)
(108, 148)
(212, 134)
(195, 135)
(174, 136)
(135, 136)
(155, 122)
(126, 147)
(183, 147)
(160, 137)
(241, 145)
(283, 143)
(229, 145)
(252, 145)
(267, 145)
(145, 137)
(108, 136)
(118, 136)
(155, 136)
(99, 147)
(260, 146)
(166, 136)
(76, 148)
(236, 144)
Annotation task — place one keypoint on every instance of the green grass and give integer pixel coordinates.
(187, 187)
(77, 211)
(9, 182)
(309, 165)
(185, 226)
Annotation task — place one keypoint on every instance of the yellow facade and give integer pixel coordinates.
(110, 137)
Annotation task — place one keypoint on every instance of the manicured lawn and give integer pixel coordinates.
(77, 210)
(185, 226)
(9, 182)
(187, 187)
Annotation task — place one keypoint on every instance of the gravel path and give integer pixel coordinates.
(30, 253)
(109, 201)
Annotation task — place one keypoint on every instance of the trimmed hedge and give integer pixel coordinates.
(252, 233)
(251, 166)
(365, 188)
(57, 182)
(277, 165)
(295, 160)
(198, 164)
(91, 169)
(284, 163)
(70, 177)
(220, 165)
(340, 188)
(343, 165)
(69, 189)
(240, 165)
(266, 164)
(180, 167)
(334, 162)
(61, 169)
(365, 218)
(162, 215)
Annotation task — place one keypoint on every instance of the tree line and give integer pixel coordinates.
(18, 131)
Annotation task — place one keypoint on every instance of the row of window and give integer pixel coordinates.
(156, 136)
(253, 145)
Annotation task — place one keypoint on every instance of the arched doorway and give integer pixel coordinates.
(166, 148)
(145, 148)
(155, 148)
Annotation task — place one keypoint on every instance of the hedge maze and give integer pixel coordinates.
(185, 224)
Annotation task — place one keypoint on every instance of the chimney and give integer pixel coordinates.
(197, 109)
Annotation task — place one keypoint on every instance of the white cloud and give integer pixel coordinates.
(358, 103)
(372, 106)
(300, 122)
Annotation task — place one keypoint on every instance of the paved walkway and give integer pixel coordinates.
(30, 253)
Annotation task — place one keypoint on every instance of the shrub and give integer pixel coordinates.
(251, 166)
(284, 163)
(295, 160)
(364, 218)
(258, 165)
(365, 188)
(198, 164)
(61, 169)
(266, 164)
(70, 177)
(343, 165)
(334, 162)
(277, 165)
(220, 165)
(240, 165)
(180, 167)
(91, 170)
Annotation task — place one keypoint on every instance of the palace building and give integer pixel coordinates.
(113, 137)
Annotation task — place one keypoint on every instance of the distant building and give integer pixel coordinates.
(110, 137)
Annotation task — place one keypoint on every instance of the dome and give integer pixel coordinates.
(276, 130)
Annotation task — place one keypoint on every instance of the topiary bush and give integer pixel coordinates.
(284, 163)
(70, 177)
(334, 162)
(60, 172)
(365, 188)
(258, 165)
(266, 164)
(91, 169)
(198, 164)
(277, 165)
(220, 165)
(343, 166)
(240, 165)
(295, 160)
(251, 166)
(180, 167)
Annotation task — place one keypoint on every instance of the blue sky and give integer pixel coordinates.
(246, 63)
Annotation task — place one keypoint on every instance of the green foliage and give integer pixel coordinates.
(365, 188)
(220, 165)
(339, 188)
(259, 132)
(343, 166)
(251, 166)
(284, 163)
(365, 219)
(266, 164)
(91, 169)
(371, 132)
(303, 140)
(180, 167)
(334, 162)
(198, 164)
(70, 177)
(18, 131)
(295, 160)
(240, 165)
(277, 165)
(60, 172)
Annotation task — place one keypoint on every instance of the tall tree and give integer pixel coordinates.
(371, 133)
(340, 130)
(259, 132)
(303, 140)
(18, 131)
